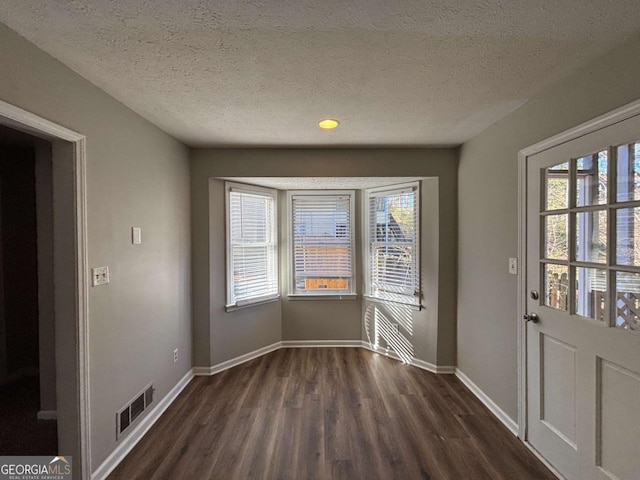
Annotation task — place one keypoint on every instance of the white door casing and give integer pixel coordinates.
(71, 259)
(580, 377)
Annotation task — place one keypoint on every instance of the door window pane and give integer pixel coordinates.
(557, 187)
(556, 244)
(628, 236)
(556, 283)
(627, 300)
(591, 291)
(591, 180)
(628, 169)
(591, 237)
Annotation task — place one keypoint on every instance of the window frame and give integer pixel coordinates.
(416, 304)
(331, 294)
(581, 299)
(231, 302)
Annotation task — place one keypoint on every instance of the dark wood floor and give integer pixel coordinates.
(328, 413)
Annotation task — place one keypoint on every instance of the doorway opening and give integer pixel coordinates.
(69, 274)
(27, 333)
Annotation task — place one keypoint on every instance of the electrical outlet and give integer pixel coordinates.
(175, 355)
(513, 266)
(99, 276)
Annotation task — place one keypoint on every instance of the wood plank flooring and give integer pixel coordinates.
(328, 413)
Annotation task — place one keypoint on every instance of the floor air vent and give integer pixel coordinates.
(128, 415)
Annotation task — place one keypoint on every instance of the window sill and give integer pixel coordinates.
(233, 308)
(305, 296)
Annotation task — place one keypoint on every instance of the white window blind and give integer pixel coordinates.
(252, 263)
(322, 247)
(393, 245)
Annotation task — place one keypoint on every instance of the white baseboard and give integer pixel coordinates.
(320, 343)
(490, 404)
(416, 362)
(136, 434)
(234, 362)
(430, 367)
(47, 415)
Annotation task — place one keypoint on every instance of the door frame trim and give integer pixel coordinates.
(23, 120)
(615, 116)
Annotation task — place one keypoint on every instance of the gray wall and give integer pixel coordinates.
(488, 215)
(429, 330)
(136, 175)
(219, 336)
(306, 319)
(230, 334)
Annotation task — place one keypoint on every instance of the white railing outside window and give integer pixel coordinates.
(322, 243)
(393, 244)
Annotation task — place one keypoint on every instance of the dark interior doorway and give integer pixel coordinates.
(27, 351)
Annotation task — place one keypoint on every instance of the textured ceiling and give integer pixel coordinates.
(322, 183)
(263, 72)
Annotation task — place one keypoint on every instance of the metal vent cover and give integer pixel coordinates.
(132, 411)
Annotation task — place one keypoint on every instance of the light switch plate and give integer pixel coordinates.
(136, 235)
(513, 266)
(99, 276)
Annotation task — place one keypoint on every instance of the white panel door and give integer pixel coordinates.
(583, 288)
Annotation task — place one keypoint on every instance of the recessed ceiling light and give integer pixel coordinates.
(328, 123)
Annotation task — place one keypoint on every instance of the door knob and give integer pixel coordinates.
(531, 317)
